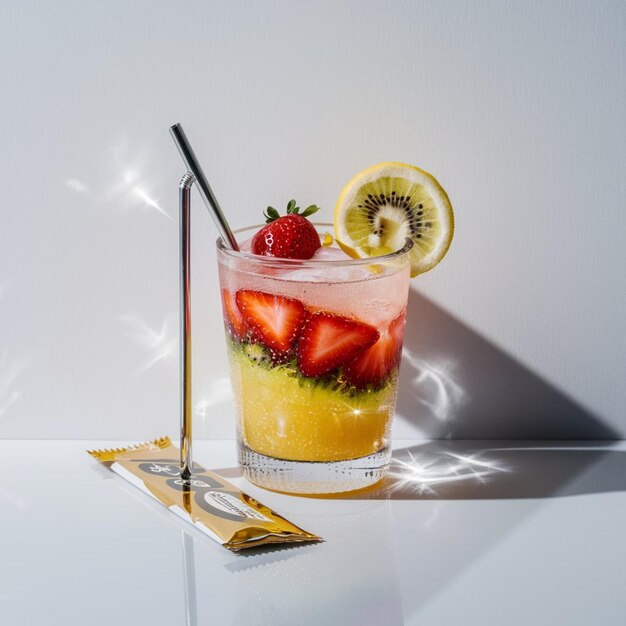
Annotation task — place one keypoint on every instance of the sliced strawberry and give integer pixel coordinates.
(275, 320)
(375, 364)
(330, 341)
(234, 319)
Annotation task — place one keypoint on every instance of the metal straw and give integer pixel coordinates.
(195, 174)
(191, 162)
(184, 191)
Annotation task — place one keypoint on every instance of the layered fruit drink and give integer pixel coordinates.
(314, 337)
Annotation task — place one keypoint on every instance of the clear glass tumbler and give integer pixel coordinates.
(314, 351)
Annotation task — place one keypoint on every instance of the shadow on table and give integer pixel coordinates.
(456, 387)
(467, 470)
(455, 383)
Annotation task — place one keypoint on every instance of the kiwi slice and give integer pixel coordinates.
(257, 354)
(383, 205)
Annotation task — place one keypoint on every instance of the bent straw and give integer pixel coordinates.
(186, 463)
(193, 175)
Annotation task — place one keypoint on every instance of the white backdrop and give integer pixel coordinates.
(517, 107)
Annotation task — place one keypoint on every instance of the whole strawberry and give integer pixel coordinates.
(291, 236)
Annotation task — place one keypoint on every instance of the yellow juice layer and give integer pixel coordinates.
(289, 418)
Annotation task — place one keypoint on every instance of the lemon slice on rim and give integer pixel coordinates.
(384, 204)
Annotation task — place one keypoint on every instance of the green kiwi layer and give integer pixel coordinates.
(258, 355)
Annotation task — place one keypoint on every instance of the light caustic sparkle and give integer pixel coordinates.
(423, 473)
(10, 368)
(218, 392)
(129, 184)
(439, 391)
(159, 344)
(150, 202)
(76, 185)
(9, 372)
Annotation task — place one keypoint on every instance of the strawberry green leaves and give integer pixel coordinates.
(272, 214)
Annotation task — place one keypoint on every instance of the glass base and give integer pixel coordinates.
(313, 477)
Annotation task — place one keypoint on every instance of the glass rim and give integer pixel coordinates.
(269, 260)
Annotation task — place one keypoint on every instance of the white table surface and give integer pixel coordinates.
(475, 533)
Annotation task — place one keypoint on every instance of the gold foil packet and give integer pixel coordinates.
(211, 504)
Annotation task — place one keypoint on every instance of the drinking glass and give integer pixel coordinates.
(314, 350)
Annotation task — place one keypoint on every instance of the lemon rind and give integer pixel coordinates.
(418, 265)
